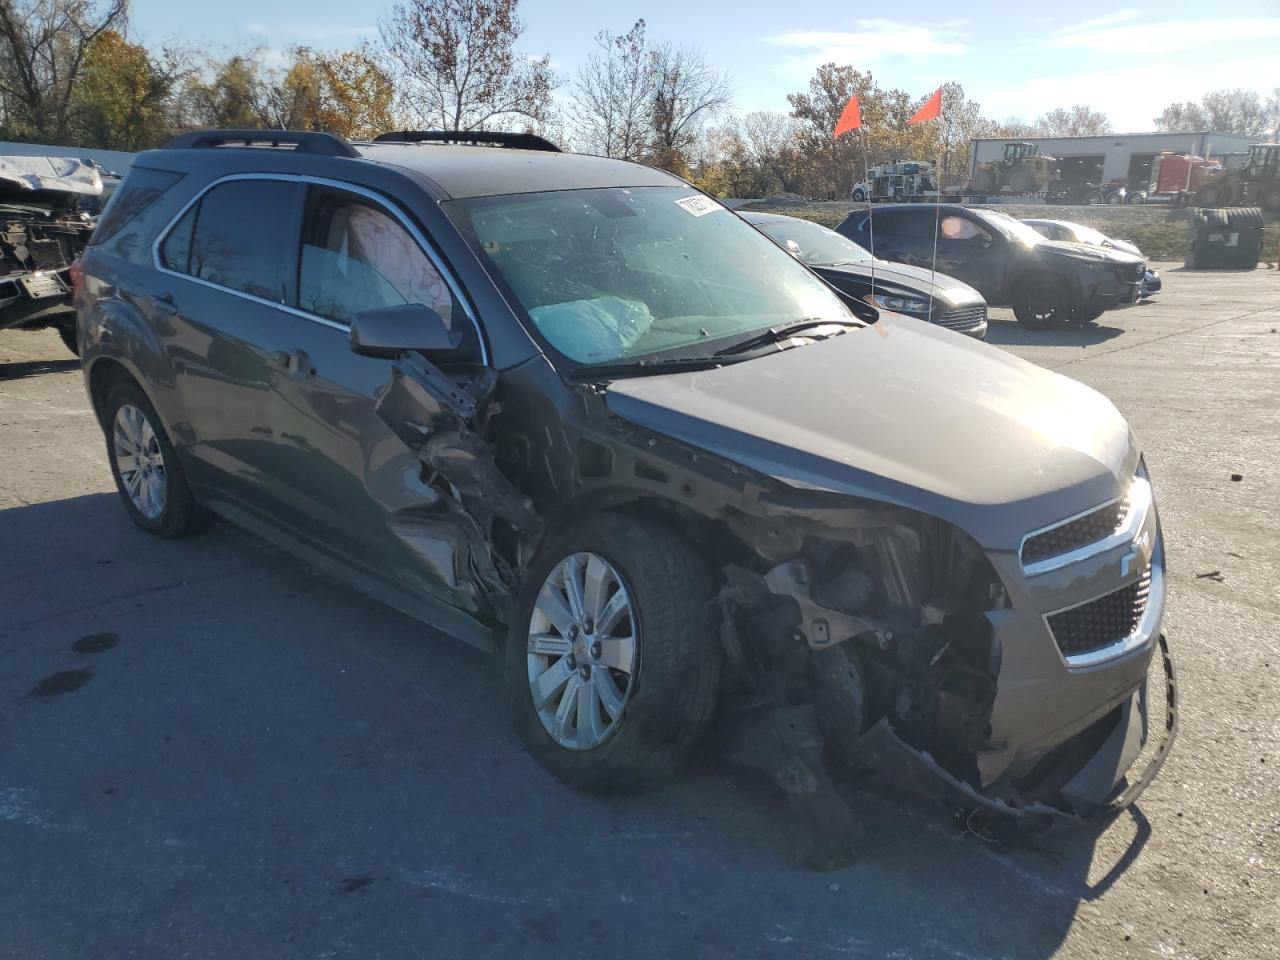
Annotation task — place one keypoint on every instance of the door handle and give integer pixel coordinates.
(295, 362)
(164, 303)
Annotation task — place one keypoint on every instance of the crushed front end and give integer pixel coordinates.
(42, 232)
(1014, 681)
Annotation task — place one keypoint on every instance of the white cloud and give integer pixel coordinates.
(1120, 16)
(1124, 94)
(873, 41)
(1160, 38)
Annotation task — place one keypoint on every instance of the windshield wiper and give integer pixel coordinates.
(782, 332)
(648, 368)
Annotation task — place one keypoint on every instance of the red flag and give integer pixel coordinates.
(850, 117)
(931, 109)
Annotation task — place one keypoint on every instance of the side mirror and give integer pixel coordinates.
(387, 332)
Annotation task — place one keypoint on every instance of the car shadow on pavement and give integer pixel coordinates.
(213, 712)
(1010, 333)
(34, 368)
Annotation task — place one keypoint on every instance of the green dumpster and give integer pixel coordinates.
(1224, 239)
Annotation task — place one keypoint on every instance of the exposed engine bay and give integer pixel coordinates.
(43, 230)
(856, 634)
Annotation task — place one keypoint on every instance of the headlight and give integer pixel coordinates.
(902, 304)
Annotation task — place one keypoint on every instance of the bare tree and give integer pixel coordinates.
(458, 65)
(1076, 121)
(687, 91)
(613, 94)
(1224, 111)
(772, 148)
(43, 44)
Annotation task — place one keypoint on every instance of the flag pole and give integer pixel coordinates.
(931, 109)
(871, 205)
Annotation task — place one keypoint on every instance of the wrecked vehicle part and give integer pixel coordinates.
(42, 232)
(459, 534)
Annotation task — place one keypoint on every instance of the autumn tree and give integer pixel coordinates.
(458, 66)
(613, 93)
(836, 161)
(1076, 121)
(344, 93)
(229, 91)
(773, 152)
(687, 91)
(121, 101)
(43, 46)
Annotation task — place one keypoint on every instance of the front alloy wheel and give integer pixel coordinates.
(582, 651)
(613, 654)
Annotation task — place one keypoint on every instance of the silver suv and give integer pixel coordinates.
(576, 412)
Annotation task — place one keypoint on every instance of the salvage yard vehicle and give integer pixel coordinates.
(42, 232)
(911, 291)
(573, 410)
(1067, 232)
(1047, 283)
(902, 181)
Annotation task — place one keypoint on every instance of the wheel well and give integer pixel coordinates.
(715, 543)
(104, 374)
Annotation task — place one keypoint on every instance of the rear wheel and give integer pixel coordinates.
(612, 660)
(859, 195)
(1093, 198)
(1215, 194)
(1042, 301)
(146, 468)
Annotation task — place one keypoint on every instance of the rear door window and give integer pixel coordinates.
(242, 235)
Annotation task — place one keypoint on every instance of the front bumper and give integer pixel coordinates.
(32, 299)
(1151, 284)
(1110, 293)
(1093, 777)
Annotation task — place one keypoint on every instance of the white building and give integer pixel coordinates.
(1118, 156)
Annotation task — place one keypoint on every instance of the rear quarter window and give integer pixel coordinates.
(142, 187)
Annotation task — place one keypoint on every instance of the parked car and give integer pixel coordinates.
(1011, 265)
(1067, 232)
(573, 410)
(42, 231)
(911, 291)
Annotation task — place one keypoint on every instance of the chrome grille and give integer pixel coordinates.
(1101, 622)
(1080, 532)
(962, 318)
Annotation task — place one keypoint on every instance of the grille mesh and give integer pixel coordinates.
(1082, 531)
(962, 318)
(1102, 622)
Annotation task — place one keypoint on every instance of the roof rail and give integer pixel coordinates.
(302, 141)
(496, 138)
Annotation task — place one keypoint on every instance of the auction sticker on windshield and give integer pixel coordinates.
(697, 205)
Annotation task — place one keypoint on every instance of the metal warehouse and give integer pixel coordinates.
(1118, 156)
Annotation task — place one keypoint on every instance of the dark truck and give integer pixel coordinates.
(43, 230)
(1046, 283)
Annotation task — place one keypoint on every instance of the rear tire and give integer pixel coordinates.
(1042, 301)
(646, 712)
(145, 466)
(859, 196)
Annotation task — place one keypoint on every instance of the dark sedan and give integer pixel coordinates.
(903, 289)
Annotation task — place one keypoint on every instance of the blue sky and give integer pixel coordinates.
(1015, 58)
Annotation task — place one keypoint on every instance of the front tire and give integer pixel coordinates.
(613, 659)
(1042, 301)
(859, 196)
(148, 476)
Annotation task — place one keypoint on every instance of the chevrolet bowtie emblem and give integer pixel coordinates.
(1139, 554)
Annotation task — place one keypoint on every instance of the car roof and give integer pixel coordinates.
(461, 171)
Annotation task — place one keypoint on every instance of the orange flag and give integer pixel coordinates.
(850, 117)
(931, 109)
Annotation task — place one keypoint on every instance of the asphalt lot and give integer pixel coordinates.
(208, 751)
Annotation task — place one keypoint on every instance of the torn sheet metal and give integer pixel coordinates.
(441, 421)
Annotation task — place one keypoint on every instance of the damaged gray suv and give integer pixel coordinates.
(572, 410)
